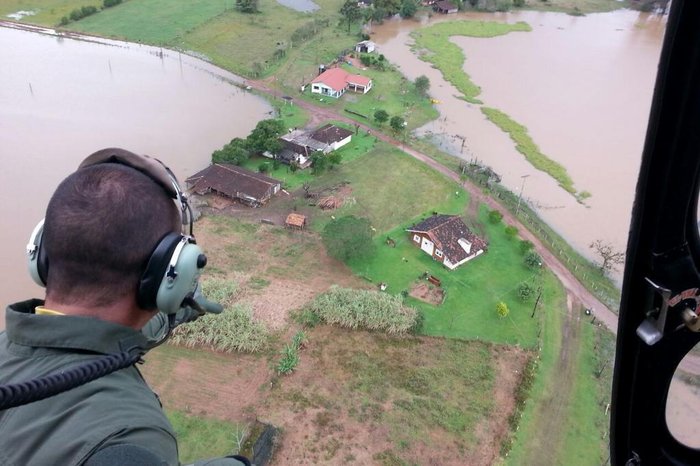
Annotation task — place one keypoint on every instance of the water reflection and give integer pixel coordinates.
(62, 99)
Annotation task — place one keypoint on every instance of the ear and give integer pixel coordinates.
(37, 261)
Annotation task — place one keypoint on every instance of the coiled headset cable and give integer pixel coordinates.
(22, 393)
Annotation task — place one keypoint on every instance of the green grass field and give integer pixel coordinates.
(199, 437)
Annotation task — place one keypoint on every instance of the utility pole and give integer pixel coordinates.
(520, 197)
(539, 295)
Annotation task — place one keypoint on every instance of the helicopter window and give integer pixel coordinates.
(683, 404)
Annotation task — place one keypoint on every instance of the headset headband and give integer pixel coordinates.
(149, 166)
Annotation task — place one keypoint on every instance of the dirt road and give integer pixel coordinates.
(573, 287)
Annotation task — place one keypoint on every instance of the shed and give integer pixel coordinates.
(234, 182)
(366, 46)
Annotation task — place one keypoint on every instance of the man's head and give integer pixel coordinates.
(102, 224)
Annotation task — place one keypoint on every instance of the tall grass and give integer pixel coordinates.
(370, 310)
(232, 330)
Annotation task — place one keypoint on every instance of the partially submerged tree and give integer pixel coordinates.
(235, 152)
(610, 257)
(422, 84)
(408, 8)
(348, 238)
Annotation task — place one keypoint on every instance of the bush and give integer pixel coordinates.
(511, 231)
(525, 246)
(264, 167)
(306, 318)
(533, 260)
(495, 216)
(365, 309)
(502, 310)
(232, 330)
(111, 3)
(290, 355)
(525, 291)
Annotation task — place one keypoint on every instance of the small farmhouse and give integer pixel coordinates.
(447, 240)
(366, 46)
(335, 81)
(445, 7)
(331, 136)
(234, 182)
(298, 147)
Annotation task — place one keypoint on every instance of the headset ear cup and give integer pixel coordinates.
(38, 263)
(154, 274)
(181, 281)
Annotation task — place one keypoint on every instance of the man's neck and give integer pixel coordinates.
(122, 312)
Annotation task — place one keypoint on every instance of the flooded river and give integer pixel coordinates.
(62, 99)
(581, 85)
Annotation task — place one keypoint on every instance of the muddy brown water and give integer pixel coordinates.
(62, 99)
(583, 88)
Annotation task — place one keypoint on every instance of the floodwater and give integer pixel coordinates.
(62, 99)
(581, 85)
(305, 6)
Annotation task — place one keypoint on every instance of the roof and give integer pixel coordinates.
(445, 5)
(299, 142)
(368, 43)
(296, 220)
(335, 78)
(231, 180)
(329, 134)
(338, 78)
(446, 231)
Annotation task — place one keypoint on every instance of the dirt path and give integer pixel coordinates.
(573, 287)
(552, 412)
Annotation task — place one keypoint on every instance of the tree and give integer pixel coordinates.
(525, 246)
(533, 260)
(235, 152)
(502, 310)
(408, 8)
(351, 11)
(391, 7)
(495, 217)
(422, 84)
(348, 238)
(397, 123)
(610, 257)
(377, 14)
(381, 116)
(511, 231)
(319, 162)
(265, 136)
(525, 291)
(247, 6)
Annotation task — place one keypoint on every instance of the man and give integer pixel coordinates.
(101, 227)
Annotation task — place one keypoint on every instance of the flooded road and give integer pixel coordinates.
(62, 99)
(581, 85)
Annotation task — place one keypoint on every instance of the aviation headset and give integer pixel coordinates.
(172, 272)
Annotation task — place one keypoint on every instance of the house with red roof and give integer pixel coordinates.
(447, 239)
(335, 81)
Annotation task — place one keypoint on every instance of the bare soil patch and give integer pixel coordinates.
(356, 397)
(427, 293)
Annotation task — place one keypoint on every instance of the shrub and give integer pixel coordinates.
(533, 260)
(525, 291)
(289, 361)
(306, 318)
(511, 231)
(525, 246)
(370, 310)
(111, 3)
(264, 167)
(495, 216)
(502, 310)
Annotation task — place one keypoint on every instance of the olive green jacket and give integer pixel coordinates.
(68, 428)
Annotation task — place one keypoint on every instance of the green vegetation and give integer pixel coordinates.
(526, 146)
(200, 438)
(290, 354)
(434, 46)
(348, 238)
(232, 330)
(362, 309)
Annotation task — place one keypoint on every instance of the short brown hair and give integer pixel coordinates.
(102, 224)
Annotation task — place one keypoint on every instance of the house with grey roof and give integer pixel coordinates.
(447, 239)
